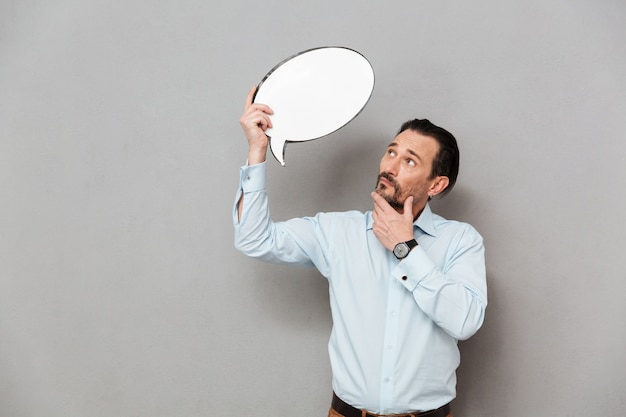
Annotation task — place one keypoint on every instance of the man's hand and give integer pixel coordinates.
(255, 121)
(391, 227)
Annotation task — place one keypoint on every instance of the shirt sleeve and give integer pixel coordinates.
(256, 235)
(454, 295)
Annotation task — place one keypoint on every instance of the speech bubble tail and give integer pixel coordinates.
(277, 147)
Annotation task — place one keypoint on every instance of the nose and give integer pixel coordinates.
(390, 165)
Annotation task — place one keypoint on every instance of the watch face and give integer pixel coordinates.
(401, 250)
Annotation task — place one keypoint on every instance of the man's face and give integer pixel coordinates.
(406, 168)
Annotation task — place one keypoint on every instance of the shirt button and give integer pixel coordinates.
(387, 380)
(404, 278)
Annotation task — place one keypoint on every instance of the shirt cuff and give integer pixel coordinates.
(252, 177)
(414, 268)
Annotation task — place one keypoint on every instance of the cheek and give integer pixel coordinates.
(412, 186)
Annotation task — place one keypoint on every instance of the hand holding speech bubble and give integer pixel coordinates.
(313, 94)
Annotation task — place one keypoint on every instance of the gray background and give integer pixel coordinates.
(120, 291)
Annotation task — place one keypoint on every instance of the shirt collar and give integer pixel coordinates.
(424, 222)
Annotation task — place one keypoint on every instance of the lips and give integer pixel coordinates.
(386, 180)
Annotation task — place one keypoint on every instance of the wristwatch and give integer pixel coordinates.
(402, 249)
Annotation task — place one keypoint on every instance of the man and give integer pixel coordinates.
(405, 284)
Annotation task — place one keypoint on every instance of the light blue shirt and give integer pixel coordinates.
(393, 346)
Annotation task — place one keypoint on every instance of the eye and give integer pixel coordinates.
(411, 162)
(391, 152)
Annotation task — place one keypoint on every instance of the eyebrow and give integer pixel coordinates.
(395, 145)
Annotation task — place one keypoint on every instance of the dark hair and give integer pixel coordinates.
(446, 162)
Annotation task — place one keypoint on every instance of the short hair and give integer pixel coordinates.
(446, 162)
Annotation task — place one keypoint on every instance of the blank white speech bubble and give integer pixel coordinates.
(313, 94)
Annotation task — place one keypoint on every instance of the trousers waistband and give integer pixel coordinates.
(347, 410)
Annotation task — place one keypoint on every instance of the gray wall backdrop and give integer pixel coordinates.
(120, 291)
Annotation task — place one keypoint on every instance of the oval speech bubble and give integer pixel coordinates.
(313, 94)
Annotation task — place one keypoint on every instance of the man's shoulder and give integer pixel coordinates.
(453, 226)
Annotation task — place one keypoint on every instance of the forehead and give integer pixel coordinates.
(416, 143)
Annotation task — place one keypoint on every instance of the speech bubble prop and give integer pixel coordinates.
(313, 94)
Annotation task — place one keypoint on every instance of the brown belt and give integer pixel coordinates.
(347, 410)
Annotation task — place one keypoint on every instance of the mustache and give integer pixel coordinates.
(388, 177)
(391, 199)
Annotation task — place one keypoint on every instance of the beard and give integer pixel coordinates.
(391, 194)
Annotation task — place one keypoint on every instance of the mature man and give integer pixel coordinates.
(405, 284)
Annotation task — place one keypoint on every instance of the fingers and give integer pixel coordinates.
(379, 202)
(255, 115)
(408, 206)
(255, 106)
(250, 98)
(256, 118)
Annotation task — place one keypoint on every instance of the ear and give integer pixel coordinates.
(439, 184)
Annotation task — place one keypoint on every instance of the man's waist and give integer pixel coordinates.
(348, 410)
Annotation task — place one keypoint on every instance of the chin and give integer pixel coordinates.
(384, 193)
